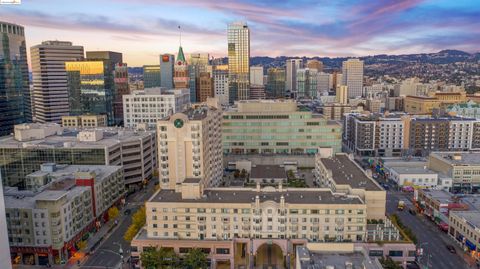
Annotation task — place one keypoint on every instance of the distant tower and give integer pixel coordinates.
(180, 76)
(291, 67)
(352, 77)
(238, 61)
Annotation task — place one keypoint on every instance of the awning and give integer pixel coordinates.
(470, 245)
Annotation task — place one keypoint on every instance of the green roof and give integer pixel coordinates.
(180, 56)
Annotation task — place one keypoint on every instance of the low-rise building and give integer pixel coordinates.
(464, 228)
(152, 104)
(46, 224)
(469, 109)
(268, 174)
(437, 204)
(335, 111)
(420, 104)
(84, 121)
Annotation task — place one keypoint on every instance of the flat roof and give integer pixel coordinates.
(464, 158)
(192, 180)
(337, 260)
(346, 172)
(267, 171)
(472, 217)
(224, 195)
(411, 170)
(442, 196)
(66, 172)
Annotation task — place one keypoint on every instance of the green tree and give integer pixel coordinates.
(243, 173)
(82, 244)
(388, 263)
(150, 258)
(138, 221)
(195, 259)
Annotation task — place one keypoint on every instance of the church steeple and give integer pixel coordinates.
(180, 55)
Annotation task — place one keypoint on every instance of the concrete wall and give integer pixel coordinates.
(303, 161)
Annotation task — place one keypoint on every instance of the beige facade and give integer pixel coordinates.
(335, 111)
(341, 95)
(420, 105)
(189, 145)
(464, 228)
(84, 121)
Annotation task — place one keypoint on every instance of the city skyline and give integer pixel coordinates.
(324, 29)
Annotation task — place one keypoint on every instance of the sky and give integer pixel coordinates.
(144, 29)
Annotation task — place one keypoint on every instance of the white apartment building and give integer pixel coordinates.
(220, 83)
(323, 83)
(291, 66)
(152, 104)
(460, 134)
(50, 93)
(190, 146)
(256, 75)
(352, 77)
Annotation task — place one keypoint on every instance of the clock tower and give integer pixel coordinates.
(180, 77)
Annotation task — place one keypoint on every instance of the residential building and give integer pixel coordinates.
(469, 109)
(394, 104)
(462, 167)
(5, 257)
(167, 62)
(275, 83)
(306, 84)
(341, 94)
(153, 104)
(206, 88)
(190, 146)
(352, 77)
(335, 111)
(342, 174)
(225, 221)
(238, 61)
(45, 223)
(220, 83)
(291, 67)
(50, 91)
(464, 228)
(121, 89)
(256, 75)
(181, 77)
(257, 92)
(315, 64)
(15, 104)
(276, 127)
(84, 121)
(151, 76)
(35, 144)
(375, 105)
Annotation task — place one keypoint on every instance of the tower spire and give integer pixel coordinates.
(180, 34)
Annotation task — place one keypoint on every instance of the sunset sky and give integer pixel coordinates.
(143, 29)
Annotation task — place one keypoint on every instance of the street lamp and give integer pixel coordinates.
(120, 250)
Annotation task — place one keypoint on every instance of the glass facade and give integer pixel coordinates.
(238, 61)
(151, 76)
(276, 82)
(17, 163)
(306, 83)
(15, 104)
(121, 88)
(91, 88)
(295, 133)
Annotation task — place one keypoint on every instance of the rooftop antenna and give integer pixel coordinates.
(180, 33)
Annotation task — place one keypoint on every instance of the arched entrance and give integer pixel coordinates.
(269, 256)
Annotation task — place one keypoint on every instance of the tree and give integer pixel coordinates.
(243, 173)
(113, 212)
(236, 174)
(162, 258)
(138, 221)
(82, 244)
(195, 259)
(388, 263)
(150, 258)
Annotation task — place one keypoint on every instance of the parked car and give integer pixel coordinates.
(451, 249)
(127, 212)
(412, 211)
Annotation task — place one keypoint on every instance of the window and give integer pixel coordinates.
(222, 251)
(395, 253)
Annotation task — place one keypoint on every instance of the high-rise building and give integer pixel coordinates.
(238, 61)
(121, 88)
(199, 59)
(153, 104)
(206, 88)
(257, 92)
(352, 77)
(323, 83)
(190, 146)
(256, 75)
(291, 67)
(199, 62)
(151, 76)
(167, 61)
(275, 83)
(220, 83)
(306, 83)
(5, 258)
(180, 76)
(15, 102)
(341, 95)
(50, 89)
(315, 64)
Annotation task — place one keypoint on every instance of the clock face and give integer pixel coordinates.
(179, 63)
(178, 123)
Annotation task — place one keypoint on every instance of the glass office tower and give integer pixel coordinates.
(15, 104)
(151, 76)
(238, 61)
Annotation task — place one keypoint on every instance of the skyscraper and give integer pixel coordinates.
(238, 61)
(306, 83)
(15, 103)
(276, 82)
(199, 62)
(291, 67)
(180, 76)
(352, 77)
(166, 70)
(5, 259)
(220, 80)
(206, 87)
(50, 91)
(151, 76)
(121, 89)
(315, 64)
(256, 75)
(323, 83)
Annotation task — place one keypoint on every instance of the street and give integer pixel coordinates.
(107, 254)
(430, 238)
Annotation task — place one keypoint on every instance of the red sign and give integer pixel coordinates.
(165, 58)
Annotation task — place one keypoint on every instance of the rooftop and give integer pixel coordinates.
(471, 217)
(245, 195)
(411, 170)
(192, 180)
(458, 158)
(442, 196)
(314, 260)
(267, 171)
(346, 172)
